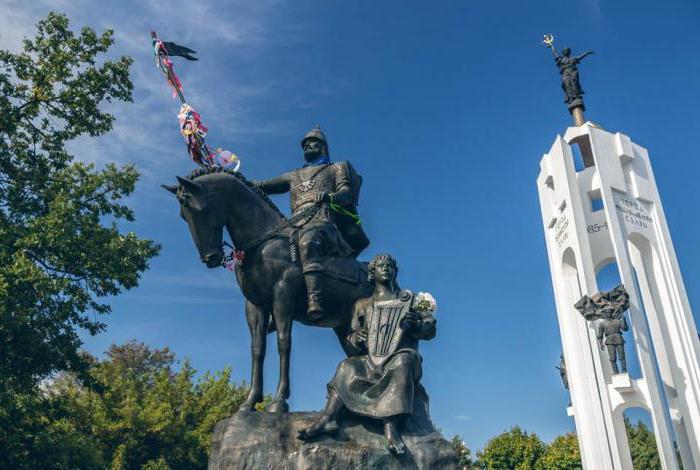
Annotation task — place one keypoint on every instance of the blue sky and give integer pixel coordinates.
(446, 109)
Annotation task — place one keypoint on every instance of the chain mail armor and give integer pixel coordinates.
(316, 233)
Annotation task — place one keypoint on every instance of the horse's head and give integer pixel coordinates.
(212, 199)
(202, 207)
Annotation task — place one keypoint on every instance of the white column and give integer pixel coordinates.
(631, 231)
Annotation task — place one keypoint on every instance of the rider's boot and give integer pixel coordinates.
(314, 288)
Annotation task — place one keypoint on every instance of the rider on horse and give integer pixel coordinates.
(323, 197)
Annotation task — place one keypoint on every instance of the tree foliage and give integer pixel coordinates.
(642, 444)
(517, 449)
(514, 449)
(60, 246)
(464, 455)
(61, 249)
(562, 454)
(138, 412)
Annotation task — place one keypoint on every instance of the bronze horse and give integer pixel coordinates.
(272, 284)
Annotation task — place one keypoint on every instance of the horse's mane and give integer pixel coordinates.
(197, 172)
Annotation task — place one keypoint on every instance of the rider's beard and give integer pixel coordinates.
(312, 154)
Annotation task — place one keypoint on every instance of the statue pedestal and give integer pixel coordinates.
(260, 440)
(622, 382)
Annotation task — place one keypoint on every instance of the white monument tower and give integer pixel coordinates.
(609, 211)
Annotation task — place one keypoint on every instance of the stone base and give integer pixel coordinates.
(622, 382)
(260, 440)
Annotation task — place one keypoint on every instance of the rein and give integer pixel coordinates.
(238, 252)
(276, 232)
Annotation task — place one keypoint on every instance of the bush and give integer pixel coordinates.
(562, 454)
(515, 449)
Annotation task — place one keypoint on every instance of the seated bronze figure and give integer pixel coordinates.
(380, 379)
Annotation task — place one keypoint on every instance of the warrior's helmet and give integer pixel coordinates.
(316, 133)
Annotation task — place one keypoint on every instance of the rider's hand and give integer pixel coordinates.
(322, 196)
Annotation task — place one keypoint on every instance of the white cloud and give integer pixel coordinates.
(146, 131)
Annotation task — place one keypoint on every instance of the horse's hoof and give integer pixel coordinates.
(250, 402)
(247, 405)
(279, 406)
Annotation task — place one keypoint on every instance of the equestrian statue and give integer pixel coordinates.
(300, 268)
(304, 268)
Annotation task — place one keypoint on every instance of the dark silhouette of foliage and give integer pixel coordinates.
(61, 248)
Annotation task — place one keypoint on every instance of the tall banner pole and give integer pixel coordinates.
(191, 127)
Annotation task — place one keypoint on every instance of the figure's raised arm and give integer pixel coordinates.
(277, 185)
(582, 56)
(555, 54)
(549, 42)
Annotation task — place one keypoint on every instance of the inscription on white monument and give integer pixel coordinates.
(561, 232)
(595, 228)
(634, 212)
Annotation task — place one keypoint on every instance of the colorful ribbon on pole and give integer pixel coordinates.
(191, 127)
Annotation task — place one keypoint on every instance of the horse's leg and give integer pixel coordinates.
(342, 333)
(283, 310)
(257, 323)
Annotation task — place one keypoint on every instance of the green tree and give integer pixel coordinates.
(513, 450)
(463, 453)
(60, 246)
(642, 446)
(562, 454)
(140, 412)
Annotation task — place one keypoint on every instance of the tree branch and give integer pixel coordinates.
(34, 257)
